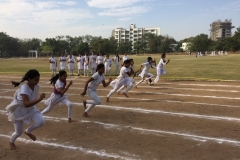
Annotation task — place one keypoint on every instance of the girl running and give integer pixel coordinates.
(60, 87)
(23, 107)
(91, 87)
(121, 79)
(160, 69)
(144, 73)
(129, 81)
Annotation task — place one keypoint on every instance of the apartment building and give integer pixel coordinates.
(133, 34)
(220, 29)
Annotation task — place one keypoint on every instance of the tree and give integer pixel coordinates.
(200, 43)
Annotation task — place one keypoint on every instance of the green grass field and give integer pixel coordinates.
(181, 67)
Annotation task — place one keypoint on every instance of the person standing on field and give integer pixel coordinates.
(116, 60)
(93, 63)
(53, 64)
(71, 61)
(62, 61)
(99, 58)
(80, 64)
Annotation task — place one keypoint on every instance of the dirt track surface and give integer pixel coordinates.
(170, 120)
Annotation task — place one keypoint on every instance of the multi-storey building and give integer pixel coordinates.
(133, 34)
(220, 29)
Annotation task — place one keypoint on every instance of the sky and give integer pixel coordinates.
(179, 19)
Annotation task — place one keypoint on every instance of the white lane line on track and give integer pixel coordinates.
(172, 88)
(209, 85)
(166, 83)
(146, 111)
(100, 153)
(151, 131)
(159, 93)
(152, 100)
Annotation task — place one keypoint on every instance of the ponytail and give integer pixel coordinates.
(31, 74)
(54, 79)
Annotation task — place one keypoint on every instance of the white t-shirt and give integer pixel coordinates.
(107, 61)
(161, 63)
(129, 69)
(125, 58)
(97, 80)
(99, 59)
(25, 89)
(116, 60)
(53, 62)
(123, 73)
(62, 59)
(71, 59)
(59, 85)
(146, 67)
(93, 59)
(80, 62)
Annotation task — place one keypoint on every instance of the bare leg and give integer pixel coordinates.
(30, 136)
(12, 146)
(125, 94)
(85, 114)
(70, 120)
(84, 104)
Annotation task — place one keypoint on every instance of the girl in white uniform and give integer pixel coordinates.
(116, 60)
(121, 79)
(144, 72)
(23, 107)
(80, 64)
(129, 81)
(93, 63)
(62, 60)
(53, 64)
(107, 64)
(71, 61)
(85, 64)
(91, 87)
(160, 69)
(99, 59)
(60, 87)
